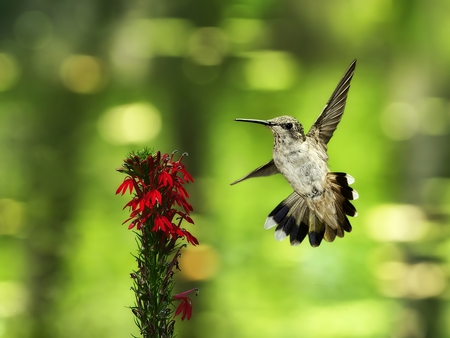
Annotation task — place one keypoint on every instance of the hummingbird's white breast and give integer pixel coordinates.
(304, 165)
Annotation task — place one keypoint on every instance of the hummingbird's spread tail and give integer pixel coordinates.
(322, 217)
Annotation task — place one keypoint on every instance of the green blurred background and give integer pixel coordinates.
(83, 82)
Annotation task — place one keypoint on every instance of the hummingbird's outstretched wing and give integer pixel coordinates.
(328, 120)
(265, 170)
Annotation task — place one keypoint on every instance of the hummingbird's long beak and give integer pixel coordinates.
(266, 123)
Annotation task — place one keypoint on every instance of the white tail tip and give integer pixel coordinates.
(270, 223)
(280, 235)
(350, 179)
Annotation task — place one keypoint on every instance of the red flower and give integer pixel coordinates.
(157, 182)
(185, 306)
(158, 207)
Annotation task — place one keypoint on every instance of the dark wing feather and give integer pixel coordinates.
(265, 170)
(328, 120)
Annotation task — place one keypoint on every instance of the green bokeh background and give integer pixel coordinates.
(82, 83)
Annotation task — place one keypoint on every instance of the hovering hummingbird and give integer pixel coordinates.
(319, 205)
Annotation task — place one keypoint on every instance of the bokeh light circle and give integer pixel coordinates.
(132, 123)
(199, 263)
(9, 71)
(83, 74)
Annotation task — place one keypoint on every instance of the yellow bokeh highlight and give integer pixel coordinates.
(9, 71)
(132, 123)
(244, 33)
(199, 263)
(426, 280)
(401, 222)
(83, 74)
(402, 280)
(13, 299)
(11, 216)
(400, 121)
(135, 38)
(145, 38)
(270, 70)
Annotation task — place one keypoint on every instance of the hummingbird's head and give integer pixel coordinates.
(284, 128)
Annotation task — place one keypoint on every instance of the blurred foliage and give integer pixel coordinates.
(84, 82)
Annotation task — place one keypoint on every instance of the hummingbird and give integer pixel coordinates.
(320, 203)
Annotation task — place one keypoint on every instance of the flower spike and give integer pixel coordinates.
(157, 209)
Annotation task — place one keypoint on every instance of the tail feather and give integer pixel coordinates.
(340, 183)
(349, 209)
(317, 230)
(300, 233)
(346, 226)
(330, 233)
(319, 218)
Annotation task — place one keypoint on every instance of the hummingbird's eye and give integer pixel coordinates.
(288, 126)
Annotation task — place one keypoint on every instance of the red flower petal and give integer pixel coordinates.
(154, 197)
(187, 177)
(163, 224)
(132, 204)
(126, 184)
(190, 238)
(185, 307)
(165, 179)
